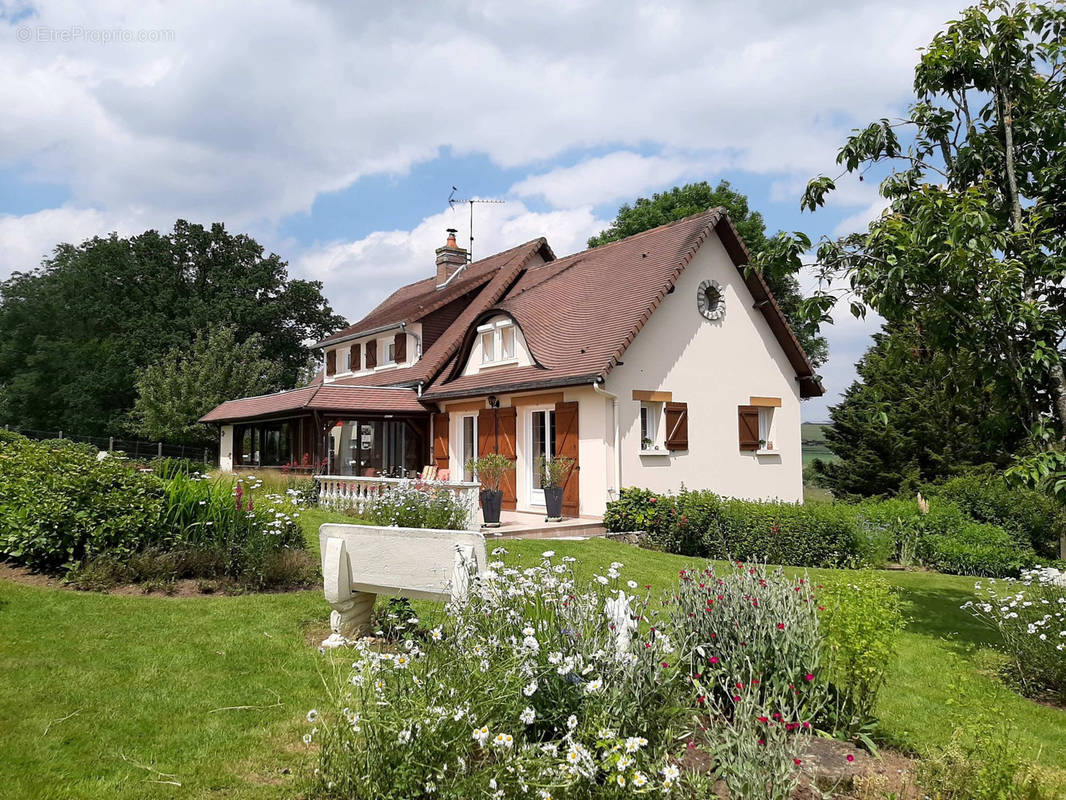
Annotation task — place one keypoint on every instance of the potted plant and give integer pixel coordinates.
(490, 470)
(554, 473)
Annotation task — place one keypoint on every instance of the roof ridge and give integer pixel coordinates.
(672, 223)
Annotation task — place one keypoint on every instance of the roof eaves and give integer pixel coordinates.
(516, 386)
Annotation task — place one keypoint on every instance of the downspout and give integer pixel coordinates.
(617, 450)
(418, 346)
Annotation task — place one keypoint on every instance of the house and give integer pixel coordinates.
(654, 361)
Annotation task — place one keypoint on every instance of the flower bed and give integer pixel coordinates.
(535, 686)
(67, 509)
(1030, 615)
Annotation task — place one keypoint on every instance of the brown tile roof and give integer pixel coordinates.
(321, 397)
(416, 300)
(580, 313)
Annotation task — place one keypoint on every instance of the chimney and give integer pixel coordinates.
(450, 258)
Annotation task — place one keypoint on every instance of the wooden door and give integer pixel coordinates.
(566, 444)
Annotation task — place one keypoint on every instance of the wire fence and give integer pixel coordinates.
(135, 449)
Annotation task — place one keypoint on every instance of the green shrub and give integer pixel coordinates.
(64, 507)
(860, 620)
(975, 549)
(60, 503)
(700, 523)
(1034, 520)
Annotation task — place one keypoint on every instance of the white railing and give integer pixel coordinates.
(352, 492)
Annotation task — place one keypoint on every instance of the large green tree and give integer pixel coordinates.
(915, 415)
(971, 247)
(778, 265)
(187, 382)
(74, 332)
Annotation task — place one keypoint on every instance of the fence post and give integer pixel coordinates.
(159, 450)
(110, 444)
(205, 455)
(61, 434)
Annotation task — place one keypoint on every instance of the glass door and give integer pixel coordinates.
(467, 446)
(542, 445)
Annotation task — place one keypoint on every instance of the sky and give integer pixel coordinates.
(333, 133)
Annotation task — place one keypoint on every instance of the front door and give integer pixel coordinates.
(541, 446)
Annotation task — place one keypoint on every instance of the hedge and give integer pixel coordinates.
(700, 523)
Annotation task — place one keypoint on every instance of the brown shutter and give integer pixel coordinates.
(677, 426)
(441, 456)
(566, 441)
(400, 348)
(354, 355)
(748, 417)
(331, 362)
(372, 354)
(505, 446)
(486, 436)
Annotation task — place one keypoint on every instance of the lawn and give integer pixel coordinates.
(127, 696)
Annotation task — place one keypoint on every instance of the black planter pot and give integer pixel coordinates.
(553, 502)
(491, 500)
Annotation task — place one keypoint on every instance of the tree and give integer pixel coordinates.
(915, 415)
(187, 382)
(694, 198)
(74, 332)
(971, 246)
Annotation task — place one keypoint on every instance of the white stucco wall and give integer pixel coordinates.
(225, 449)
(714, 367)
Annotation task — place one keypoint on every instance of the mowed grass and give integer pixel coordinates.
(109, 696)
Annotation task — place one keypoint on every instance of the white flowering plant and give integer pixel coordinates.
(415, 504)
(1030, 615)
(530, 686)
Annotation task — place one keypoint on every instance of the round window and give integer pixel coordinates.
(711, 300)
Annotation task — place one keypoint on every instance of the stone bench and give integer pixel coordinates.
(360, 562)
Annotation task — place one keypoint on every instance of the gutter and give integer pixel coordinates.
(617, 491)
(360, 335)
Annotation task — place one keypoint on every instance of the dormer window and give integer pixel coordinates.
(390, 352)
(497, 342)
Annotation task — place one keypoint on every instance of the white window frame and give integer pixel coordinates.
(346, 355)
(492, 332)
(766, 431)
(536, 496)
(460, 445)
(649, 419)
(389, 356)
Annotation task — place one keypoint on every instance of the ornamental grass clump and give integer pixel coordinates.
(530, 687)
(1030, 615)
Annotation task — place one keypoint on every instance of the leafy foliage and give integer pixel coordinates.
(915, 415)
(74, 332)
(414, 504)
(63, 507)
(777, 259)
(187, 382)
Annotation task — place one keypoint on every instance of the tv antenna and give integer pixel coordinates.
(452, 200)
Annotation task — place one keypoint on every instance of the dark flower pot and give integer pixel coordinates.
(491, 501)
(553, 502)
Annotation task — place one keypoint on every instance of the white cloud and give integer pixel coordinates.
(250, 115)
(616, 176)
(27, 239)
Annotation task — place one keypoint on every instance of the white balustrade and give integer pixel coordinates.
(350, 492)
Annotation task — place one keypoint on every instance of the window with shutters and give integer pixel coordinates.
(766, 430)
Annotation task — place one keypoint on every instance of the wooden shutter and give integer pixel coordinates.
(372, 354)
(400, 348)
(441, 456)
(748, 417)
(354, 357)
(677, 426)
(331, 362)
(505, 445)
(486, 433)
(566, 444)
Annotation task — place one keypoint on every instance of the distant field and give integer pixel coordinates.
(814, 447)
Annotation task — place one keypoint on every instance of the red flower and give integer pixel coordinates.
(809, 676)
(712, 660)
(736, 698)
(797, 761)
(850, 758)
(780, 626)
(763, 720)
(665, 665)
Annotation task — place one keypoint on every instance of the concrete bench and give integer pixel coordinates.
(360, 562)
